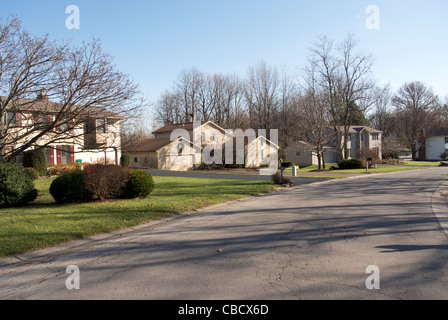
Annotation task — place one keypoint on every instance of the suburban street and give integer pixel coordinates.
(312, 241)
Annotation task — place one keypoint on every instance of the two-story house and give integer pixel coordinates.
(359, 138)
(182, 146)
(92, 136)
(362, 137)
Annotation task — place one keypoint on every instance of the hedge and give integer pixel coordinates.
(16, 185)
(37, 160)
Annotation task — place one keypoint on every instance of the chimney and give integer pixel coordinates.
(42, 96)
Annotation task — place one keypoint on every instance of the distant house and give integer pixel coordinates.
(435, 145)
(360, 137)
(195, 142)
(259, 149)
(302, 154)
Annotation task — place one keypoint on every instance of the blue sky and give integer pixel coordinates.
(153, 41)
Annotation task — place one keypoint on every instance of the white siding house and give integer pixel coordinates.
(436, 144)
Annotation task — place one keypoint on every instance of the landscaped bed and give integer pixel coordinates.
(45, 223)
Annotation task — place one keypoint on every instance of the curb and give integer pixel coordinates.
(439, 203)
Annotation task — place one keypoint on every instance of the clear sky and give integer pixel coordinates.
(153, 41)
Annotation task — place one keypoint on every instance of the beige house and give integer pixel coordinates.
(259, 151)
(172, 147)
(362, 137)
(163, 154)
(180, 147)
(302, 154)
(94, 137)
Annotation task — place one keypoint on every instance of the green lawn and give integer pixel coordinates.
(46, 223)
(380, 169)
(422, 163)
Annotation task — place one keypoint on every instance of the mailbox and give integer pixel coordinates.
(286, 164)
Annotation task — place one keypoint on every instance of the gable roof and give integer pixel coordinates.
(149, 145)
(439, 132)
(25, 105)
(171, 127)
(189, 126)
(359, 129)
(154, 145)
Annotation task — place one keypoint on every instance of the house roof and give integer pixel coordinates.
(439, 132)
(189, 126)
(154, 145)
(149, 145)
(172, 127)
(45, 105)
(358, 129)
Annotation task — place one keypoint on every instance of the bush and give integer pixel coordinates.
(140, 185)
(125, 160)
(37, 160)
(57, 169)
(33, 173)
(16, 185)
(105, 181)
(69, 187)
(350, 164)
(276, 178)
(444, 155)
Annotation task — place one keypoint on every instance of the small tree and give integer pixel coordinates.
(37, 160)
(444, 155)
(367, 153)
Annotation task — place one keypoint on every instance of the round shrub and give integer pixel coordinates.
(350, 164)
(69, 187)
(37, 160)
(140, 185)
(125, 160)
(16, 185)
(105, 181)
(33, 173)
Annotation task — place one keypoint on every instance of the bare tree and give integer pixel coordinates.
(417, 110)
(262, 95)
(345, 75)
(48, 89)
(315, 108)
(187, 92)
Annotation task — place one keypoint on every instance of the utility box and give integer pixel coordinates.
(294, 171)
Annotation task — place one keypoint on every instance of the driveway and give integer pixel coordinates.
(312, 242)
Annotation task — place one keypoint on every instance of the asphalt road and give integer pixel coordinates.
(312, 242)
